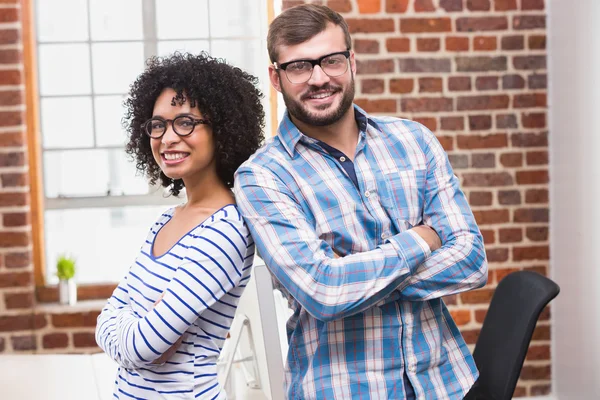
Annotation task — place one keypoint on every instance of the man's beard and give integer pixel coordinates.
(301, 112)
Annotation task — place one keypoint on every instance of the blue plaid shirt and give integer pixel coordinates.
(367, 323)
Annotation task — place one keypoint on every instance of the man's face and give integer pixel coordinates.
(322, 100)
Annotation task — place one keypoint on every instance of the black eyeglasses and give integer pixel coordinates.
(300, 71)
(183, 125)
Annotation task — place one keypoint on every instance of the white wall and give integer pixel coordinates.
(574, 115)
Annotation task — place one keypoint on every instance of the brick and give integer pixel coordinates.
(531, 253)
(426, 104)
(23, 322)
(505, 5)
(12, 159)
(370, 25)
(536, 196)
(520, 391)
(537, 81)
(15, 219)
(510, 235)
(532, 4)
(531, 215)
(529, 62)
(496, 140)
(480, 24)
(470, 336)
(537, 157)
(24, 342)
(430, 84)
(480, 198)
(541, 332)
(12, 139)
(369, 6)
(9, 36)
(511, 159)
(290, 3)
(8, 199)
(14, 239)
(513, 42)
(509, 197)
(457, 43)
(428, 44)
(401, 85)
(487, 179)
(10, 56)
(364, 46)
(458, 161)
(480, 316)
(529, 21)
(486, 83)
(479, 296)
(506, 121)
(418, 25)
(540, 390)
(341, 6)
(374, 66)
(530, 372)
(452, 123)
(461, 317)
(15, 279)
(424, 65)
(429, 122)
(424, 6)
(447, 142)
(84, 339)
(533, 120)
(451, 5)
(485, 43)
(498, 255)
(10, 77)
(485, 160)
(18, 300)
(530, 100)
(488, 235)
(11, 97)
(478, 5)
(537, 233)
(480, 122)
(17, 260)
(481, 63)
(537, 42)
(532, 177)
(378, 105)
(459, 83)
(55, 341)
(451, 300)
(503, 273)
(397, 45)
(372, 86)
(2, 344)
(73, 320)
(513, 81)
(396, 6)
(495, 102)
(529, 139)
(11, 118)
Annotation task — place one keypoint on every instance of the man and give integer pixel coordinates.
(362, 223)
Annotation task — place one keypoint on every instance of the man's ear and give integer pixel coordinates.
(352, 63)
(274, 78)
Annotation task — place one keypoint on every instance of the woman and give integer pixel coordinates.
(191, 121)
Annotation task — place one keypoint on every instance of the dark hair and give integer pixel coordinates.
(226, 95)
(300, 23)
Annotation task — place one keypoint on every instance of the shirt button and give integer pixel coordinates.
(412, 368)
(342, 158)
(367, 193)
(384, 235)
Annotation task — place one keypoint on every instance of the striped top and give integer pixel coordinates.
(370, 324)
(202, 277)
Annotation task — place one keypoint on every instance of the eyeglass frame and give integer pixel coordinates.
(313, 63)
(196, 121)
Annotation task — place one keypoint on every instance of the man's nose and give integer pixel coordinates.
(318, 77)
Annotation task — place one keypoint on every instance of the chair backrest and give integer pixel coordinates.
(507, 329)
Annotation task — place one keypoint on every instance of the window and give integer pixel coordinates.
(96, 207)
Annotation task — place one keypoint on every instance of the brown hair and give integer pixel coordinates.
(300, 23)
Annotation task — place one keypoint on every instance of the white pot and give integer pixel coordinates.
(67, 291)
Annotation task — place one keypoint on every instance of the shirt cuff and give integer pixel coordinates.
(413, 249)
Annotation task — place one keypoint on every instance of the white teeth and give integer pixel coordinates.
(174, 156)
(321, 95)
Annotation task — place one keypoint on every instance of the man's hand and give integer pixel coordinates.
(169, 353)
(429, 235)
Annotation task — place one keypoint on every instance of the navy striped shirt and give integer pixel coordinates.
(202, 277)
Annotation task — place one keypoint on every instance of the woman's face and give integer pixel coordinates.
(187, 157)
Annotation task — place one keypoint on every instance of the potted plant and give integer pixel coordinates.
(65, 271)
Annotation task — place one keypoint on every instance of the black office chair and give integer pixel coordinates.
(506, 332)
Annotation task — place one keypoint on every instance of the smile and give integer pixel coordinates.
(174, 158)
(321, 95)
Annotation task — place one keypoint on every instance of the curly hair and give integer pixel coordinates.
(226, 95)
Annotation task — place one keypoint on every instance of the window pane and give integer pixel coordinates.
(109, 112)
(97, 172)
(116, 65)
(55, 25)
(59, 77)
(184, 19)
(116, 19)
(105, 245)
(237, 18)
(166, 48)
(246, 54)
(67, 122)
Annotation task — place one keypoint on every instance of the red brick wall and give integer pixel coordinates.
(25, 325)
(474, 72)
